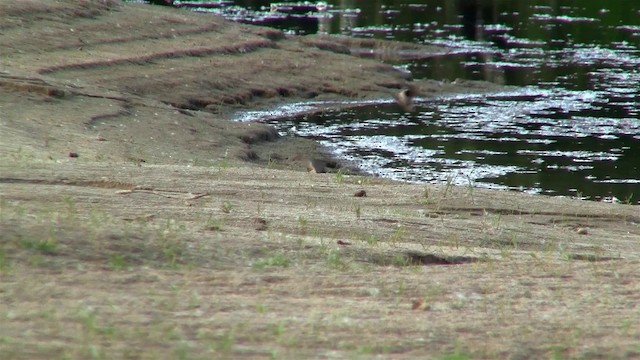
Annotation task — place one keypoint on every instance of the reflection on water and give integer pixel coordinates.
(573, 129)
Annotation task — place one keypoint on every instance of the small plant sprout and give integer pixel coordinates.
(357, 210)
(214, 224)
(303, 223)
(226, 207)
(340, 176)
(397, 236)
(425, 193)
(449, 186)
(270, 162)
(470, 187)
(628, 200)
(118, 262)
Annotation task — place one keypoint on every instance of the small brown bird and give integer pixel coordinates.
(405, 98)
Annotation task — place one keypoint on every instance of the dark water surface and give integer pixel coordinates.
(572, 127)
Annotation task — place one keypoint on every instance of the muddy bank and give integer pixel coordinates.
(137, 221)
(159, 84)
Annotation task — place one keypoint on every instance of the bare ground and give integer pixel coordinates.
(176, 233)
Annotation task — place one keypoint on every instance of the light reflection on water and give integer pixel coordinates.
(509, 140)
(573, 128)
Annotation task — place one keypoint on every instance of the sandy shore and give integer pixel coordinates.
(137, 221)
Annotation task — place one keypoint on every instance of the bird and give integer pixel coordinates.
(405, 98)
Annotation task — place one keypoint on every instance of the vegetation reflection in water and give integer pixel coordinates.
(573, 130)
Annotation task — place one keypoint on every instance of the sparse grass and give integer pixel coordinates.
(374, 265)
(275, 260)
(322, 277)
(46, 247)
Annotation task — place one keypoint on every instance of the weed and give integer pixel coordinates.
(117, 262)
(226, 207)
(400, 260)
(302, 224)
(4, 262)
(182, 351)
(454, 240)
(372, 240)
(224, 163)
(214, 224)
(21, 156)
(278, 259)
(505, 252)
(261, 308)
(278, 329)
(514, 241)
(96, 352)
(71, 207)
(270, 162)
(171, 248)
(366, 349)
(357, 210)
(456, 356)
(397, 236)
(449, 186)
(225, 343)
(559, 351)
(334, 260)
(402, 287)
(47, 247)
(626, 326)
(340, 176)
(496, 221)
(628, 200)
(470, 188)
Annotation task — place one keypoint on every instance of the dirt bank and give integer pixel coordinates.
(137, 221)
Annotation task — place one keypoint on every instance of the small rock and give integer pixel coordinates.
(360, 193)
(260, 223)
(419, 305)
(582, 231)
(317, 166)
(73, 154)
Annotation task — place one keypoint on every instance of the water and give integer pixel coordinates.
(572, 127)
